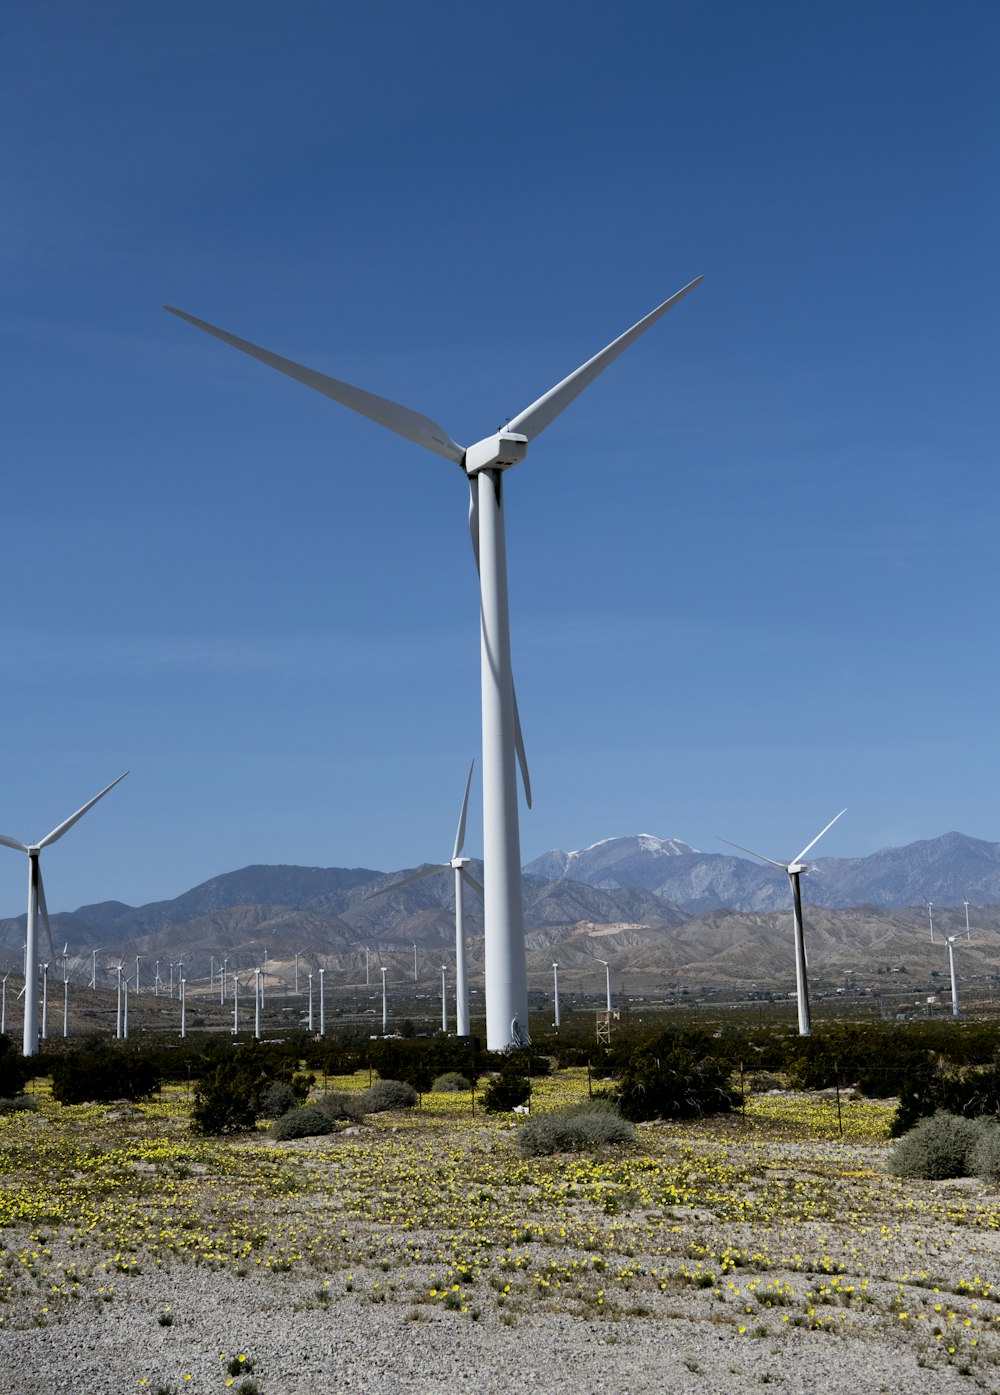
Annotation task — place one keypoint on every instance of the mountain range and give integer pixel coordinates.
(628, 883)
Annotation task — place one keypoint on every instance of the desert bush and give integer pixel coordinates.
(231, 1096)
(15, 1069)
(387, 1094)
(984, 1155)
(574, 1130)
(675, 1077)
(971, 1092)
(79, 1077)
(451, 1082)
(339, 1104)
(305, 1122)
(505, 1092)
(18, 1104)
(936, 1148)
(278, 1099)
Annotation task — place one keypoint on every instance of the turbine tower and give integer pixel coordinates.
(950, 942)
(795, 868)
(484, 464)
(459, 866)
(36, 904)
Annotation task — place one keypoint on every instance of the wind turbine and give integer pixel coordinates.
(555, 993)
(459, 865)
(36, 904)
(65, 989)
(484, 464)
(950, 942)
(795, 868)
(607, 972)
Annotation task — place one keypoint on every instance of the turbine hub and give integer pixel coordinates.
(459, 862)
(497, 452)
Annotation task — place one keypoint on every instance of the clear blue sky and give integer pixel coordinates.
(753, 571)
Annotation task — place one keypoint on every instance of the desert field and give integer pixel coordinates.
(420, 1252)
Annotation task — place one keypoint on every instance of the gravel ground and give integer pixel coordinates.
(354, 1345)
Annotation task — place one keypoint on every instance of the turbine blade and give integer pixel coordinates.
(13, 843)
(474, 519)
(541, 413)
(408, 881)
(522, 759)
(759, 856)
(68, 823)
(819, 836)
(470, 880)
(403, 420)
(45, 913)
(460, 834)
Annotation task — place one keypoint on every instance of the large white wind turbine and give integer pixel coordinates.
(459, 866)
(795, 868)
(36, 903)
(484, 464)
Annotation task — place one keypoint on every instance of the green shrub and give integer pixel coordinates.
(574, 1130)
(15, 1069)
(305, 1122)
(936, 1148)
(970, 1091)
(450, 1083)
(387, 1094)
(278, 1099)
(984, 1155)
(340, 1104)
(83, 1076)
(506, 1092)
(19, 1104)
(676, 1077)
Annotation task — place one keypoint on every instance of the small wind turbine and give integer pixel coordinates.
(256, 1003)
(322, 1005)
(184, 1003)
(484, 464)
(3, 1005)
(459, 866)
(444, 1000)
(968, 932)
(36, 904)
(555, 992)
(930, 917)
(795, 868)
(310, 1002)
(607, 971)
(385, 1006)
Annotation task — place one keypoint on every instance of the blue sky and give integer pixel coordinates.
(752, 568)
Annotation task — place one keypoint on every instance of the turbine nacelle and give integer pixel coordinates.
(497, 452)
(794, 867)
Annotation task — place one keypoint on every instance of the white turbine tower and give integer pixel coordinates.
(950, 942)
(795, 868)
(459, 866)
(36, 904)
(484, 463)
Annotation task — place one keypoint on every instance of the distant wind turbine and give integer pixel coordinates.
(36, 904)
(484, 464)
(795, 868)
(459, 865)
